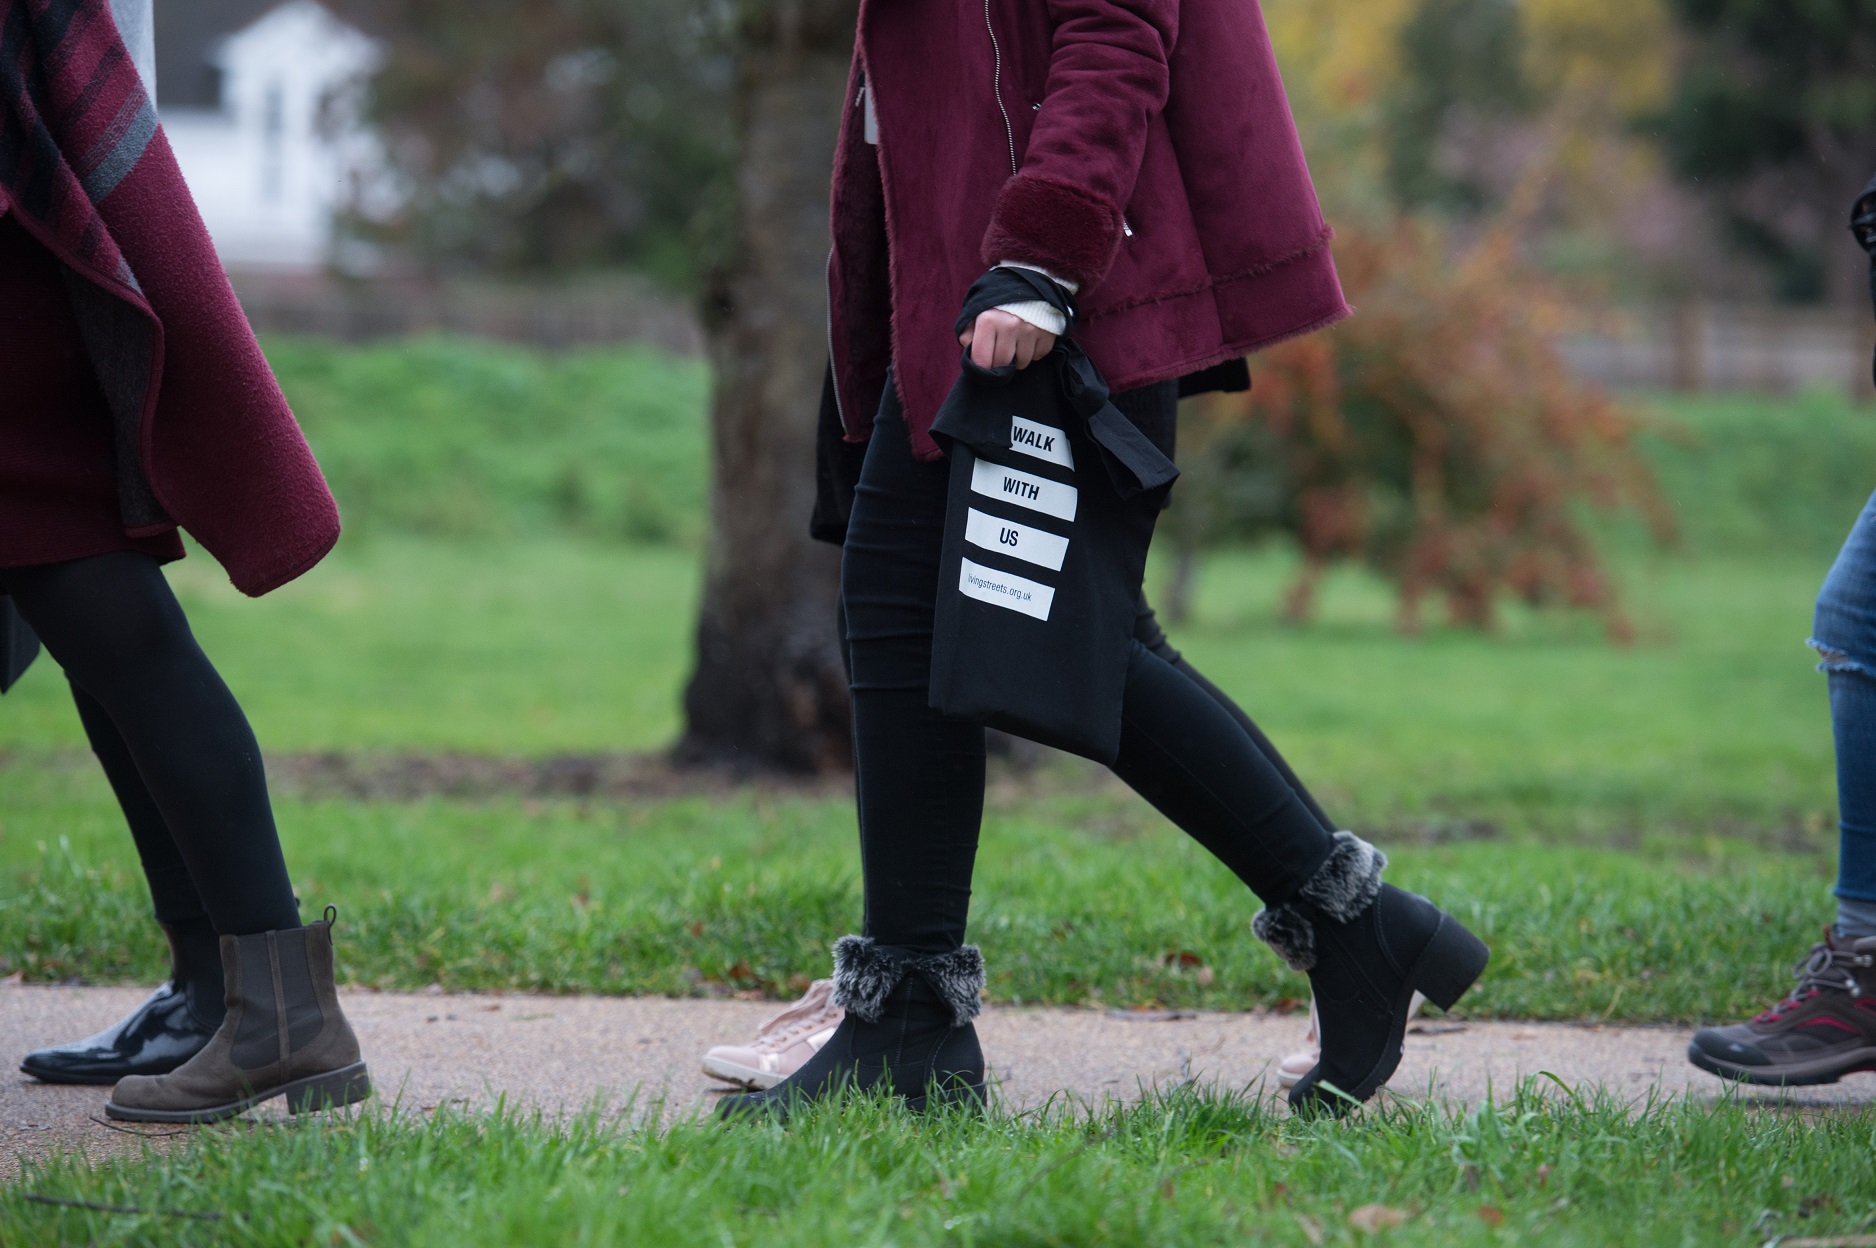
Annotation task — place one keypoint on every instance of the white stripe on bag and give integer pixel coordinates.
(1042, 441)
(1000, 589)
(1024, 541)
(1051, 498)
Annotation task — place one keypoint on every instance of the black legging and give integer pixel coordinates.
(173, 742)
(920, 777)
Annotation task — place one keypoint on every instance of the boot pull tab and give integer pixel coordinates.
(331, 916)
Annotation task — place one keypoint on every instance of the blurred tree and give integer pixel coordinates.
(1338, 55)
(1461, 66)
(1774, 113)
(769, 689)
(1436, 437)
(1473, 109)
(1340, 58)
(1616, 52)
(693, 139)
(1598, 66)
(545, 135)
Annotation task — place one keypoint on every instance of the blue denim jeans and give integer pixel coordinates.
(1844, 635)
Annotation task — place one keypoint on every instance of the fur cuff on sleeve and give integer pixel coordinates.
(1054, 226)
(865, 975)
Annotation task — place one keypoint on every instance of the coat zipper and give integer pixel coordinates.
(996, 83)
(833, 363)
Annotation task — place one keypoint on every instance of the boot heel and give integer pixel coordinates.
(1451, 963)
(345, 1086)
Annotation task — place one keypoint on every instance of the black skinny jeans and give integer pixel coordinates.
(172, 740)
(1184, 746)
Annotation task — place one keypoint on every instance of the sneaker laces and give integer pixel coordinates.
(806, 1015)
(1825, 969)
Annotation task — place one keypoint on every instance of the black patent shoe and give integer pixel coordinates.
(153, 1039)
(1367, 947)
(907, 1031)
(167, 1030)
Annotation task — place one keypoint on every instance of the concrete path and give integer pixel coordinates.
(560, 1053)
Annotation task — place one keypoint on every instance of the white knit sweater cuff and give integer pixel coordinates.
(1045, 317)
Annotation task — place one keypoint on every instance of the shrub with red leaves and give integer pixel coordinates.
(1436, 437)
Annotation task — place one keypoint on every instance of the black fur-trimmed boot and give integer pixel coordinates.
(1367, 948)
(908, 1029)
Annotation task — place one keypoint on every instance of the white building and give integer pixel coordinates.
(259, 99)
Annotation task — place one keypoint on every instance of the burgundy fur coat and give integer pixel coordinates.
(1142, 148)
(204, 438)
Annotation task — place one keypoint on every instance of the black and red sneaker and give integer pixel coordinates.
(1824, 1030)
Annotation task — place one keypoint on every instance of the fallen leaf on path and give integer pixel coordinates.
(1372, 1218)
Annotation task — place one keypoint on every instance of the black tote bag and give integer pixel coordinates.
(1053, 497)
(19, 645)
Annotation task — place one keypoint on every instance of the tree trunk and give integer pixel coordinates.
(769, 690)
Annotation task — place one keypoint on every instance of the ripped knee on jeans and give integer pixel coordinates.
(1831, 659)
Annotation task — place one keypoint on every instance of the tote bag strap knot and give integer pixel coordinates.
(1135, 464)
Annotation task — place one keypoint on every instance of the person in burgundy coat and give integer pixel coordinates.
(134, 403)
(1140, 154)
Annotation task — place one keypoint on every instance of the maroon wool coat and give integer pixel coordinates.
(204, 438)
(1142, 148)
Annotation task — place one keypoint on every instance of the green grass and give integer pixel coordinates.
(459, 437)
(1714, 721)
(1657, 818)
(521, 647)
(450, 436)
(1082, 898)
(1192, 1167)
(1764, 474)
(1642, 833)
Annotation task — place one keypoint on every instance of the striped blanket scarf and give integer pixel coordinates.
(205, 439)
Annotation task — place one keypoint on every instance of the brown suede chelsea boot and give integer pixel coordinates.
(284, 1036)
